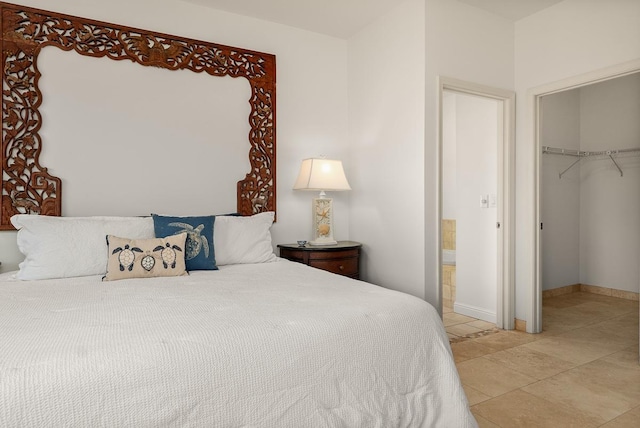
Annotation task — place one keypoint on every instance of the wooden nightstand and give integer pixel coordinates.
(342, 258)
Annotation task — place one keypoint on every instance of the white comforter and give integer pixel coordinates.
(266, 345)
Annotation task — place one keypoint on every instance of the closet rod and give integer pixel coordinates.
(583, 153)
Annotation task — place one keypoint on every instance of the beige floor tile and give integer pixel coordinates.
(530, 362)
(624, 327)
(601, 311)
(468, 350)
(491, 378)
(586, 360)
(572, 350)
(520, 409)
(506, 339)
(569, 299)
(631, 419)
(482, 422)
(561, 320)
(605, 334)
(627, 358)
(482, 325)
(462, 329)
(564, 301)
(452, 318)
(601, 389)
(593, 297)
(613, 373)
(474, 396)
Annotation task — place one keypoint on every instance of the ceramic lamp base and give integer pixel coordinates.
(321, 241)
(322, 222)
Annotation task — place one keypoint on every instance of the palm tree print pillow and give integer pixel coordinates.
(145, 258)
(199, 252)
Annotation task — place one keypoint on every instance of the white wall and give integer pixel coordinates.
(143, 140)
(393, 128)
(465, 43)
(609, 203)
(568, 39)
(560, 127)
(476, 235)
(311, 96)
(386, 133)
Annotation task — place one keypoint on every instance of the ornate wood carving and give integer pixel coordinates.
(27, 187)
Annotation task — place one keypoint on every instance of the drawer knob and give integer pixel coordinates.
(341, 267)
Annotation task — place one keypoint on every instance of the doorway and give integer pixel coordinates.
(475, 201)
(601, 175)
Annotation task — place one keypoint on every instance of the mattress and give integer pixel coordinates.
(258, 345)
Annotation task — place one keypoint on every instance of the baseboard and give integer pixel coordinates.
(594, 289)
(567, 289)
(475, 312)
(620, 294)
(520, 325)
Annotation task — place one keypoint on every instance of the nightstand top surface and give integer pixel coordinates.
(341, 245)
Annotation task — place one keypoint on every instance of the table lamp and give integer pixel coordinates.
(322, 175)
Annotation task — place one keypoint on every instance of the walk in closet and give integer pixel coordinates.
(590, 188)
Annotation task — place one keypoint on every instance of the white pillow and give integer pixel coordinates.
(240, 240)
(62, 247)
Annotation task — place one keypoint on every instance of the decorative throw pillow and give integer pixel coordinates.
(199, 252)
(145, 258)
(241, 240)
(63, 247)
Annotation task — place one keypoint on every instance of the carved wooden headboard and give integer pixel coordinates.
(27, 187)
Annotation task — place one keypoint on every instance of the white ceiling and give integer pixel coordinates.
(344, 18)
(512, 9)
(338, 18)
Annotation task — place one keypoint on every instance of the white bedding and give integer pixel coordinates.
(261, 345)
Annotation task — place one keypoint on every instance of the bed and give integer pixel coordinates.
(110, 321)
(99, 327)
(274, 344)
(251, 340)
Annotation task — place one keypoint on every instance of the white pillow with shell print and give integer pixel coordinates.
(145, 258)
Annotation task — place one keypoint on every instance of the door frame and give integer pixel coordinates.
(505, 307)
(534, 315)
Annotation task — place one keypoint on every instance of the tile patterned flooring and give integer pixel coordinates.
(581, 371)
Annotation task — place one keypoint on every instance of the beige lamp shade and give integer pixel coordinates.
(321, 174)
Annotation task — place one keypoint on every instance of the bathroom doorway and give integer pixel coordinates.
(475, 202)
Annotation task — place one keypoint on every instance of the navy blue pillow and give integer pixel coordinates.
(199, 252)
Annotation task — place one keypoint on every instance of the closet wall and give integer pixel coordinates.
(560, 205)
(591, 215)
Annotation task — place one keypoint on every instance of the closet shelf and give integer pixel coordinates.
(581, 154)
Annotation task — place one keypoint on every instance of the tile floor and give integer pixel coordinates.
(581, 371)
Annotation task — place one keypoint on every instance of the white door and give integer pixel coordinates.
(476, 123)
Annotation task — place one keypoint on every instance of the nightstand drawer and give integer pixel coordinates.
(333, 255)
(342, 258)
(293, 255)
(346, 267)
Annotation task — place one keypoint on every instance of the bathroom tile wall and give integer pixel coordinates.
(448, 271)
(448, 234)
(449, 283)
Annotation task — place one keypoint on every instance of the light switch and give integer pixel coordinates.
(484, 201)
